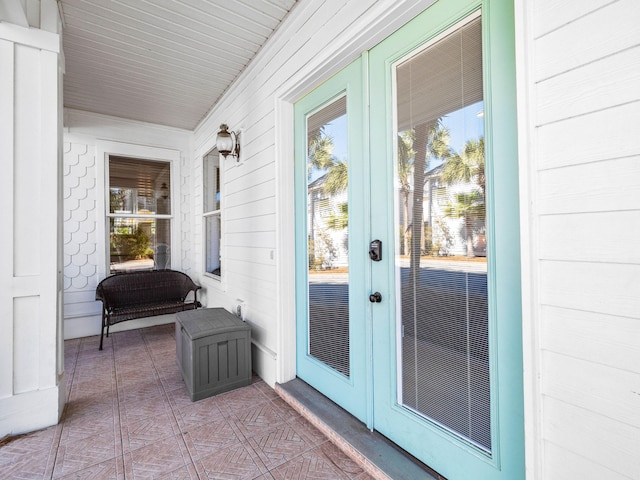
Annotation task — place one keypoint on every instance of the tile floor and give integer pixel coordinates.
(129, 416)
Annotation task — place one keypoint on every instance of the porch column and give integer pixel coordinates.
(31, 340)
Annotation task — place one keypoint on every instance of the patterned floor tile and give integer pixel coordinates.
(109, 470)
(141, 391)
(148, 430)
(206, 439)
(24, 446)
(179, 398)
(266, 390)
(236, 462)
(188, 472)
(134, 411)
(33, 466)
(27, 456)
(171, 379)
(257, 420)
(198, 413)
(342, 461)
(240, 399)
(279, 445)
(76, 455)
(157, 459)
(285, 410)
(90, 427)
(310, 433)
(129, 415)
(310, 465)
(128, 380)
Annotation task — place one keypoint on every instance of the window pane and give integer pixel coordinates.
(211, 199)
(328, 236)
(139, 244)
(139, 186)
(212, 236)
(441, 237)
(211, 190)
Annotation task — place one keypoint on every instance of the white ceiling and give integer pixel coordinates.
(160, 61)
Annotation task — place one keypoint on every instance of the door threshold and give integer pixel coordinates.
(374, 453)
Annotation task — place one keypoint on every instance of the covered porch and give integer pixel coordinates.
(128, 415)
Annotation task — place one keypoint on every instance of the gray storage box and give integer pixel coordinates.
(213, 349)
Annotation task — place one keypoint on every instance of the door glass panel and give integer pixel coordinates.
(328, 236)
(441, 259)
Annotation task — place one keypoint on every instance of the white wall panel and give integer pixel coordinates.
(84, 248)
(6, 199)
(566, 464)
(594, 436)
(594, 287)
(26, 340)
(595, 337)
(581, 140)
(601, 33)
(579, 101)
(594, 387)
(27, 176)
(611, 81)
(592, 237)
(590, 187)
(553, 14)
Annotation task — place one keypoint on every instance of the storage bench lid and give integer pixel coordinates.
(208, 321)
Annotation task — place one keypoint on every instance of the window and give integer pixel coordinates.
(139, 214)
(212, 213)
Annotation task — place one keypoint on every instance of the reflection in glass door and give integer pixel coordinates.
(441, 262)
(331, 238)
(328, 236)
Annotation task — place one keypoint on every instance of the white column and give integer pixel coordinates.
(31, 342)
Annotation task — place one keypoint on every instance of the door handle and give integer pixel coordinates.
(375, 250)
(375, 297)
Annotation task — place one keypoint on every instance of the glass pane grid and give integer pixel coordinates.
(139, 214)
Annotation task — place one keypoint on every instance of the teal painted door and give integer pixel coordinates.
(331, 233)
(436, 364)
(447, 339)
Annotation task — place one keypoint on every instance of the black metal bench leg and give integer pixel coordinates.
(102, 330)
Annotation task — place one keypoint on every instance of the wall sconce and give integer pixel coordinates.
(227, 142)
(164, 191)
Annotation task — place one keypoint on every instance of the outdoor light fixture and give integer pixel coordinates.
(227, 142)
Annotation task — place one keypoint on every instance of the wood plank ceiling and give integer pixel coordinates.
(161, 61)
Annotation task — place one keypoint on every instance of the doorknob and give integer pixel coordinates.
(375, 297)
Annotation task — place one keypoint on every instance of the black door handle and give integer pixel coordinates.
(375, 250)
(375, 297)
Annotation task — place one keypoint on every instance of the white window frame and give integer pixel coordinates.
(206, 214)
(105, 149)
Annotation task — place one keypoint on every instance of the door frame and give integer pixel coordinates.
(338, 56)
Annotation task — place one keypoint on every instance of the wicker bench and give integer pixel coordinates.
(126, 296)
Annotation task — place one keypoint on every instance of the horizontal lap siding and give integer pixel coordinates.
(586, 105)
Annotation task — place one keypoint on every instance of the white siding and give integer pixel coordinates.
(31, 364)
(84, 245)
(579, 107)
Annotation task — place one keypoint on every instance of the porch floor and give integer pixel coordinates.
(128, 415)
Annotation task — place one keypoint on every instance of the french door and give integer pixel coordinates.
(331, 230)
(407, 241)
